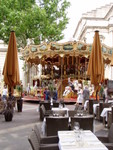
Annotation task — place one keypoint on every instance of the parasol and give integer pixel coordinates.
(11, 66)
(96, 64)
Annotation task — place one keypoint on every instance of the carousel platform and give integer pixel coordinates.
(70, 100)
(31, 98)
(36, 99)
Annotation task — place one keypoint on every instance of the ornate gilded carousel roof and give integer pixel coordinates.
(33, 53)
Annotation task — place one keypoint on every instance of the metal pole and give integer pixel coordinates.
(61, 76)
(111, 72)
(40, 69)
(61, 55)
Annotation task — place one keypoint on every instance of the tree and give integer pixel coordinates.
(44, 20)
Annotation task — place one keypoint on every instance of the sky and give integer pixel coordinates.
(75, 11)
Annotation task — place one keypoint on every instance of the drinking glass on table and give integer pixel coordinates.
(76, 126)
(76, 131)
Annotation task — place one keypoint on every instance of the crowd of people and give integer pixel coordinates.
(85, 90)
(49, 91)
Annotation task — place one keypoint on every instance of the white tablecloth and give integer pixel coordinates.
(85, 104)
(81, 140)
(104, 112)
(58, 109)
(110, 101)
(95, 108)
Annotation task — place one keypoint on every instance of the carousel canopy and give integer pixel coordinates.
(34, 53)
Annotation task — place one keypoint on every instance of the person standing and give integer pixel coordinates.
(4, 93)
(55, 94)
(48, 94)
(80, 96)
(45, 91)
(28, 89)
(86, 93)
(105, 95)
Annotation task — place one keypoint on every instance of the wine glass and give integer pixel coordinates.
(76, 126)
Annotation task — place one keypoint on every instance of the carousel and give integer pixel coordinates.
(61, 61)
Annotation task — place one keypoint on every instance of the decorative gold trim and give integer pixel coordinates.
(54, 48)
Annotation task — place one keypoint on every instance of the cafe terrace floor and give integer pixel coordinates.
(14, 134)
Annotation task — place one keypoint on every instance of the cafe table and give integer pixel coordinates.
(60, 109)
(79, 140)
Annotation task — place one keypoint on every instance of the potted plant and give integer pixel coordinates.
(8, 112)
(19, 89)
(51, 88)
(19, 101)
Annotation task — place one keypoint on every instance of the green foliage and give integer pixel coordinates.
(51, 87)
(38, 22)
(19, 88)
(85, 82)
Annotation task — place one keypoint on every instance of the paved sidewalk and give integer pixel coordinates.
(14, 134)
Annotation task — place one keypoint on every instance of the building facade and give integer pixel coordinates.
(100, 19)
(3, 51)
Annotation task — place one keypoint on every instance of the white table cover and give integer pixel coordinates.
(94, 108)
(110, 101)
(85, 104)
(68, 140)
(104, 112)
(57, 109)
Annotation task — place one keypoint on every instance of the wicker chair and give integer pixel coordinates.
(109, 114)
(55, 124)
(44, 112)
(46, 104)
(45, 108)
(110, 117)
(86, 122)
(36, 145)
(90, 105)
(100, 108)
(72, 113)
(44, 139)
(55, 104)
(108, 140)
(33, 141)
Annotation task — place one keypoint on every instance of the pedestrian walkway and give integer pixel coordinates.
(14, 134)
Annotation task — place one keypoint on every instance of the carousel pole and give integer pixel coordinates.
(61, 55)
(111, 72)
(111, 68)
(40, 56)
(86, 57)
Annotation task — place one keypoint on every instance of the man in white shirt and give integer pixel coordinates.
(4, 93)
